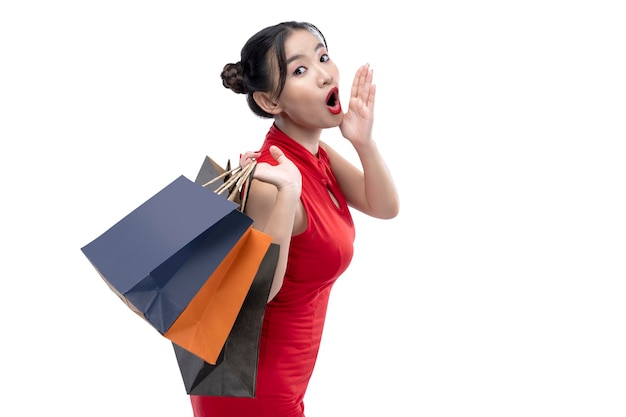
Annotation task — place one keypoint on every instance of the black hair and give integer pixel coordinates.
(255, 71)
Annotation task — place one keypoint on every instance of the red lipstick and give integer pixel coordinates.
(332, 101)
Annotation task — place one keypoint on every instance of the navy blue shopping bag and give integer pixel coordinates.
(158, 256)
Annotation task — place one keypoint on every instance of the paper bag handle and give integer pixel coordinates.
(236, 177)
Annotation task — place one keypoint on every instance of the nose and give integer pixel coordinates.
(325, 77)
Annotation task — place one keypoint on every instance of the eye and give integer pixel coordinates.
(324, 58)
(299, 71)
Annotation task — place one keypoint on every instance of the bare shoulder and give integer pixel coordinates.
(333, 156)
(326, 146)
(342, 168)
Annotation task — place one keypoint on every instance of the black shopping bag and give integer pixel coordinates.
(234, 373)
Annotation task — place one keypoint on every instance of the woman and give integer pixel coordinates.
(300, 196)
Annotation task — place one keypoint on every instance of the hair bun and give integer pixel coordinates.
(232, 77)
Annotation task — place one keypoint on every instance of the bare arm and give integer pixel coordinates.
(372, 190)
(273, 203)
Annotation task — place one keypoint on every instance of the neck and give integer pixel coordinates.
(307, 137)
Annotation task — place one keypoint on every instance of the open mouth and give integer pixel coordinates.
(332, 101)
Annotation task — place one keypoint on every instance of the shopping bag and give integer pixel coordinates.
(158, 257)
(234, 373)
(204, 325)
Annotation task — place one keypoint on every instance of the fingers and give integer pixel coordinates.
(355, 84)
(362, 87)
(284, 174)
(248, 157)
(277, 154)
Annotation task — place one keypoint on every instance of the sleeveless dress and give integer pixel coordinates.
(294, 319)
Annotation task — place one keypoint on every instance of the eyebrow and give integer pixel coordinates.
(295, 57)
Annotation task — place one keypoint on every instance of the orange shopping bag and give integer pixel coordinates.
(203, 327)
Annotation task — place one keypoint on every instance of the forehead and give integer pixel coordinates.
(302, 41)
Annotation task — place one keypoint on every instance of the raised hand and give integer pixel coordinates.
(359, 119)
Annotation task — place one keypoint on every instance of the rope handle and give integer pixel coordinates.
(236, 177)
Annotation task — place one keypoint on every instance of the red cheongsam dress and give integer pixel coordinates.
(294, 319)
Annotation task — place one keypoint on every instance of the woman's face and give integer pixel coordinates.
(310, 98)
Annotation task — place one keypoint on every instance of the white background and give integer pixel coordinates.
(499, 289)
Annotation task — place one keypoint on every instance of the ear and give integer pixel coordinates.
(265, 101)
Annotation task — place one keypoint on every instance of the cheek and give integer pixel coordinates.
(301, 99)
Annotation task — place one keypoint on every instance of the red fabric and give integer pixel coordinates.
(294, 319)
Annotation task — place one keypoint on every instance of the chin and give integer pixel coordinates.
(337, 119)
